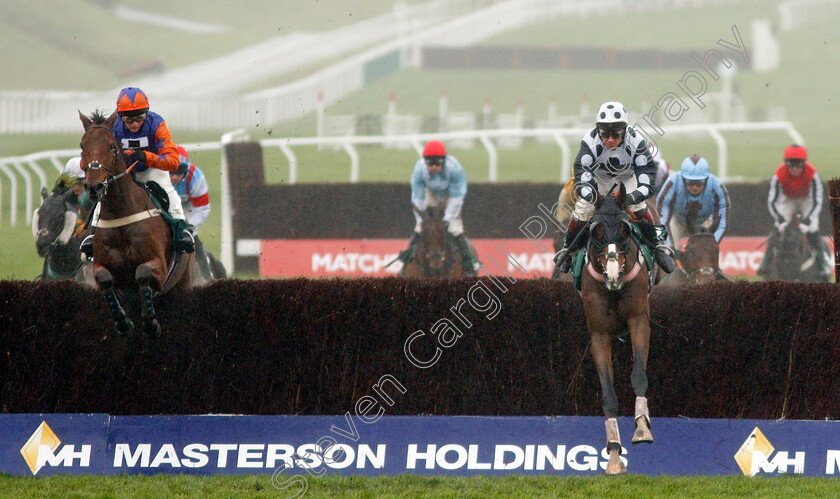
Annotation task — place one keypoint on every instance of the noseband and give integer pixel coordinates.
(96, 165)
(611, 250)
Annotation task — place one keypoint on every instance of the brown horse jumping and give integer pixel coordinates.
(614, 289)
(436, 255)
(132, 240)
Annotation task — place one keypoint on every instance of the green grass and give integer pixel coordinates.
(408, 486)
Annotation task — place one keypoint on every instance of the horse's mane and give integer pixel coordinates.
(98, 117)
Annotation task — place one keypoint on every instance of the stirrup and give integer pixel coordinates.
(87, 247)
(184, 245)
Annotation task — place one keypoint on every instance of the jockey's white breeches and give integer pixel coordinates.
(679, 231)
(162, 179)
(787, 206)
(456, 223)
(585, 209)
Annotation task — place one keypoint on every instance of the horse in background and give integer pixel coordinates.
(700, 258)
(53, 227)
(793, 259)
(132, 247)
(614, 290)
(436, 254)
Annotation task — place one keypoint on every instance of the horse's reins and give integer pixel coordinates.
(119, 222)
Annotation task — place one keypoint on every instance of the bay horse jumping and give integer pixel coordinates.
(132, 240)
(435, 254)
(614, 289)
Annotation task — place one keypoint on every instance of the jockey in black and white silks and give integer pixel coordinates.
(612, 153)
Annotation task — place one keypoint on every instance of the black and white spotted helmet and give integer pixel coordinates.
(611, 112)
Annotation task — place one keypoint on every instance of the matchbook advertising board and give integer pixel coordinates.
(739, 256)
(49, 444)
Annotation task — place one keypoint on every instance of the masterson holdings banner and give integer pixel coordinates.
(48, 444)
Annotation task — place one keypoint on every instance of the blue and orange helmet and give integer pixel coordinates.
(132, 102)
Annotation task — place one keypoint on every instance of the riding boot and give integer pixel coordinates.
(663, 253)
(469, 264)
(563, 258)
(87, 246)
(202, 260)
(407, 254)
(764, 268)
(821, 252)
(184, 239)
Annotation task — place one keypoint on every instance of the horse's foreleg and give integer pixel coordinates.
(640, 334)
(615, 466)
(144, 276)
(122, 323)
(602, 355)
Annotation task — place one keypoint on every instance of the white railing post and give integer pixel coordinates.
(290, 155)
(723, 169)
(493, 163)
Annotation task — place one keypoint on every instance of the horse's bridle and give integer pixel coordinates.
(614, 250)
(96, 165)
(702, 271)
(431, 272)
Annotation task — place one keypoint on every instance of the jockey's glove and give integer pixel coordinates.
(134, 156)
(634, 197)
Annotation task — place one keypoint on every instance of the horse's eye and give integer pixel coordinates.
(112, 147)
(81, 146)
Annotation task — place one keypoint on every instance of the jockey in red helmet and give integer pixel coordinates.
(147, 144)
(438, 176)
(796, 187)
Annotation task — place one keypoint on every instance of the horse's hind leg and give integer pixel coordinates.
(144, 278)
(122, 323)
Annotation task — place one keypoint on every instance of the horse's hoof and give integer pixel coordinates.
(642, 435)
(124, 328)
(152, 328)
(615, 466)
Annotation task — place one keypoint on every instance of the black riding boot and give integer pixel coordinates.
(764, 268)
(407, 254)
(563, 258)
(815, 241)
(469, 264)
(662, 253)
(202, 260)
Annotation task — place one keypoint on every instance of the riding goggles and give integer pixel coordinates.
(795, 163)
(140, 118)
(434, 161)
(694, 183)
(615, 133)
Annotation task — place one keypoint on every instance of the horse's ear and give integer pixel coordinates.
(44, 193)
(111, 120)
(85, 120)
(622, 195)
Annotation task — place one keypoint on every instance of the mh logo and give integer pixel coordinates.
(754, 457)
(40, 450)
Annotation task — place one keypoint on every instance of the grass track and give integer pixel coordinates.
(408, 486)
